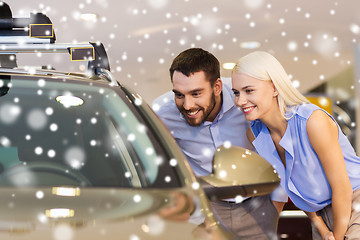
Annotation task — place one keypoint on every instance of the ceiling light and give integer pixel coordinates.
(228, 65)
(89, 17)
(66, 191)
(59, 213)
(250, 45)
(70, 101)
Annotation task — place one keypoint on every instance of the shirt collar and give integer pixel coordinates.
(286, 142)
(228, 99)
(265, 148)
(228, 102)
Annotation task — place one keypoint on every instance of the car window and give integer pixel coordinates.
(64, 132)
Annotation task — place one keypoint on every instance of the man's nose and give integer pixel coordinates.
(188, 103)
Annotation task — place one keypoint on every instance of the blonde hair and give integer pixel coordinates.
(263, 66)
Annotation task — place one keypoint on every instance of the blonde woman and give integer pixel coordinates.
(318, 167)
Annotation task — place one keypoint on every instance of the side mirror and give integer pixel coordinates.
(239, 171)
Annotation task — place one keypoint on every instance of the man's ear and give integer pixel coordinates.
(217, 87)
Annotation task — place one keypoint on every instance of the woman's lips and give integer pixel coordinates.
(247, 109)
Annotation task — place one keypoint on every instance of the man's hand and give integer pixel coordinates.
(180, 210)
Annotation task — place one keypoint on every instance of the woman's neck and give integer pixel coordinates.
(276, 123)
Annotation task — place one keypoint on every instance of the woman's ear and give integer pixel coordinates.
(276, 92)
(217, 87)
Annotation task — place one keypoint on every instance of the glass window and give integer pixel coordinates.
(62, 132)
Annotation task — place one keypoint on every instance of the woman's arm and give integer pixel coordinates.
(279, 206)
(323, 136)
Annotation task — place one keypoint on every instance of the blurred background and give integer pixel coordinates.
(316, 41)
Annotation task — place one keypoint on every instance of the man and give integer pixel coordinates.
(201, 116)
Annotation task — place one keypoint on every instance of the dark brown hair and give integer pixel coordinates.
(195, 60)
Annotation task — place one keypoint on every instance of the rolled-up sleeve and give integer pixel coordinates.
(279, 195)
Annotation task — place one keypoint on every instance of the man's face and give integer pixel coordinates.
(195, 98)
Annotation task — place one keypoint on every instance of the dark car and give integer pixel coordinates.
(84, 157)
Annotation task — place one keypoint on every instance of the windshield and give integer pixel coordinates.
(66, 132)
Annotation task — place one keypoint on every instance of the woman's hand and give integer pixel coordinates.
(329, 236)
(325, 233)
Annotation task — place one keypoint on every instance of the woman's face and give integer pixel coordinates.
(256, 98)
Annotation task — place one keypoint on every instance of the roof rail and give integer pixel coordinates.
(92, 52)
(36, 34)
(36, 29)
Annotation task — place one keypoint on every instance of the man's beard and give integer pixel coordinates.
(193, 121)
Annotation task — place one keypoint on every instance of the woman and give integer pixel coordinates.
(317, 165)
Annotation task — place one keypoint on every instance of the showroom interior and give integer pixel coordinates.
(318, 42)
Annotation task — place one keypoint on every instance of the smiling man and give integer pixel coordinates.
(201, 115)
(196, 98)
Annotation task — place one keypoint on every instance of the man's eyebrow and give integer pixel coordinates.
(197, 90)
(192, 91)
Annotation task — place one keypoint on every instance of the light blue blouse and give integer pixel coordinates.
(303, 178)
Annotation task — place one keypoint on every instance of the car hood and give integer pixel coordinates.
(101, 213)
